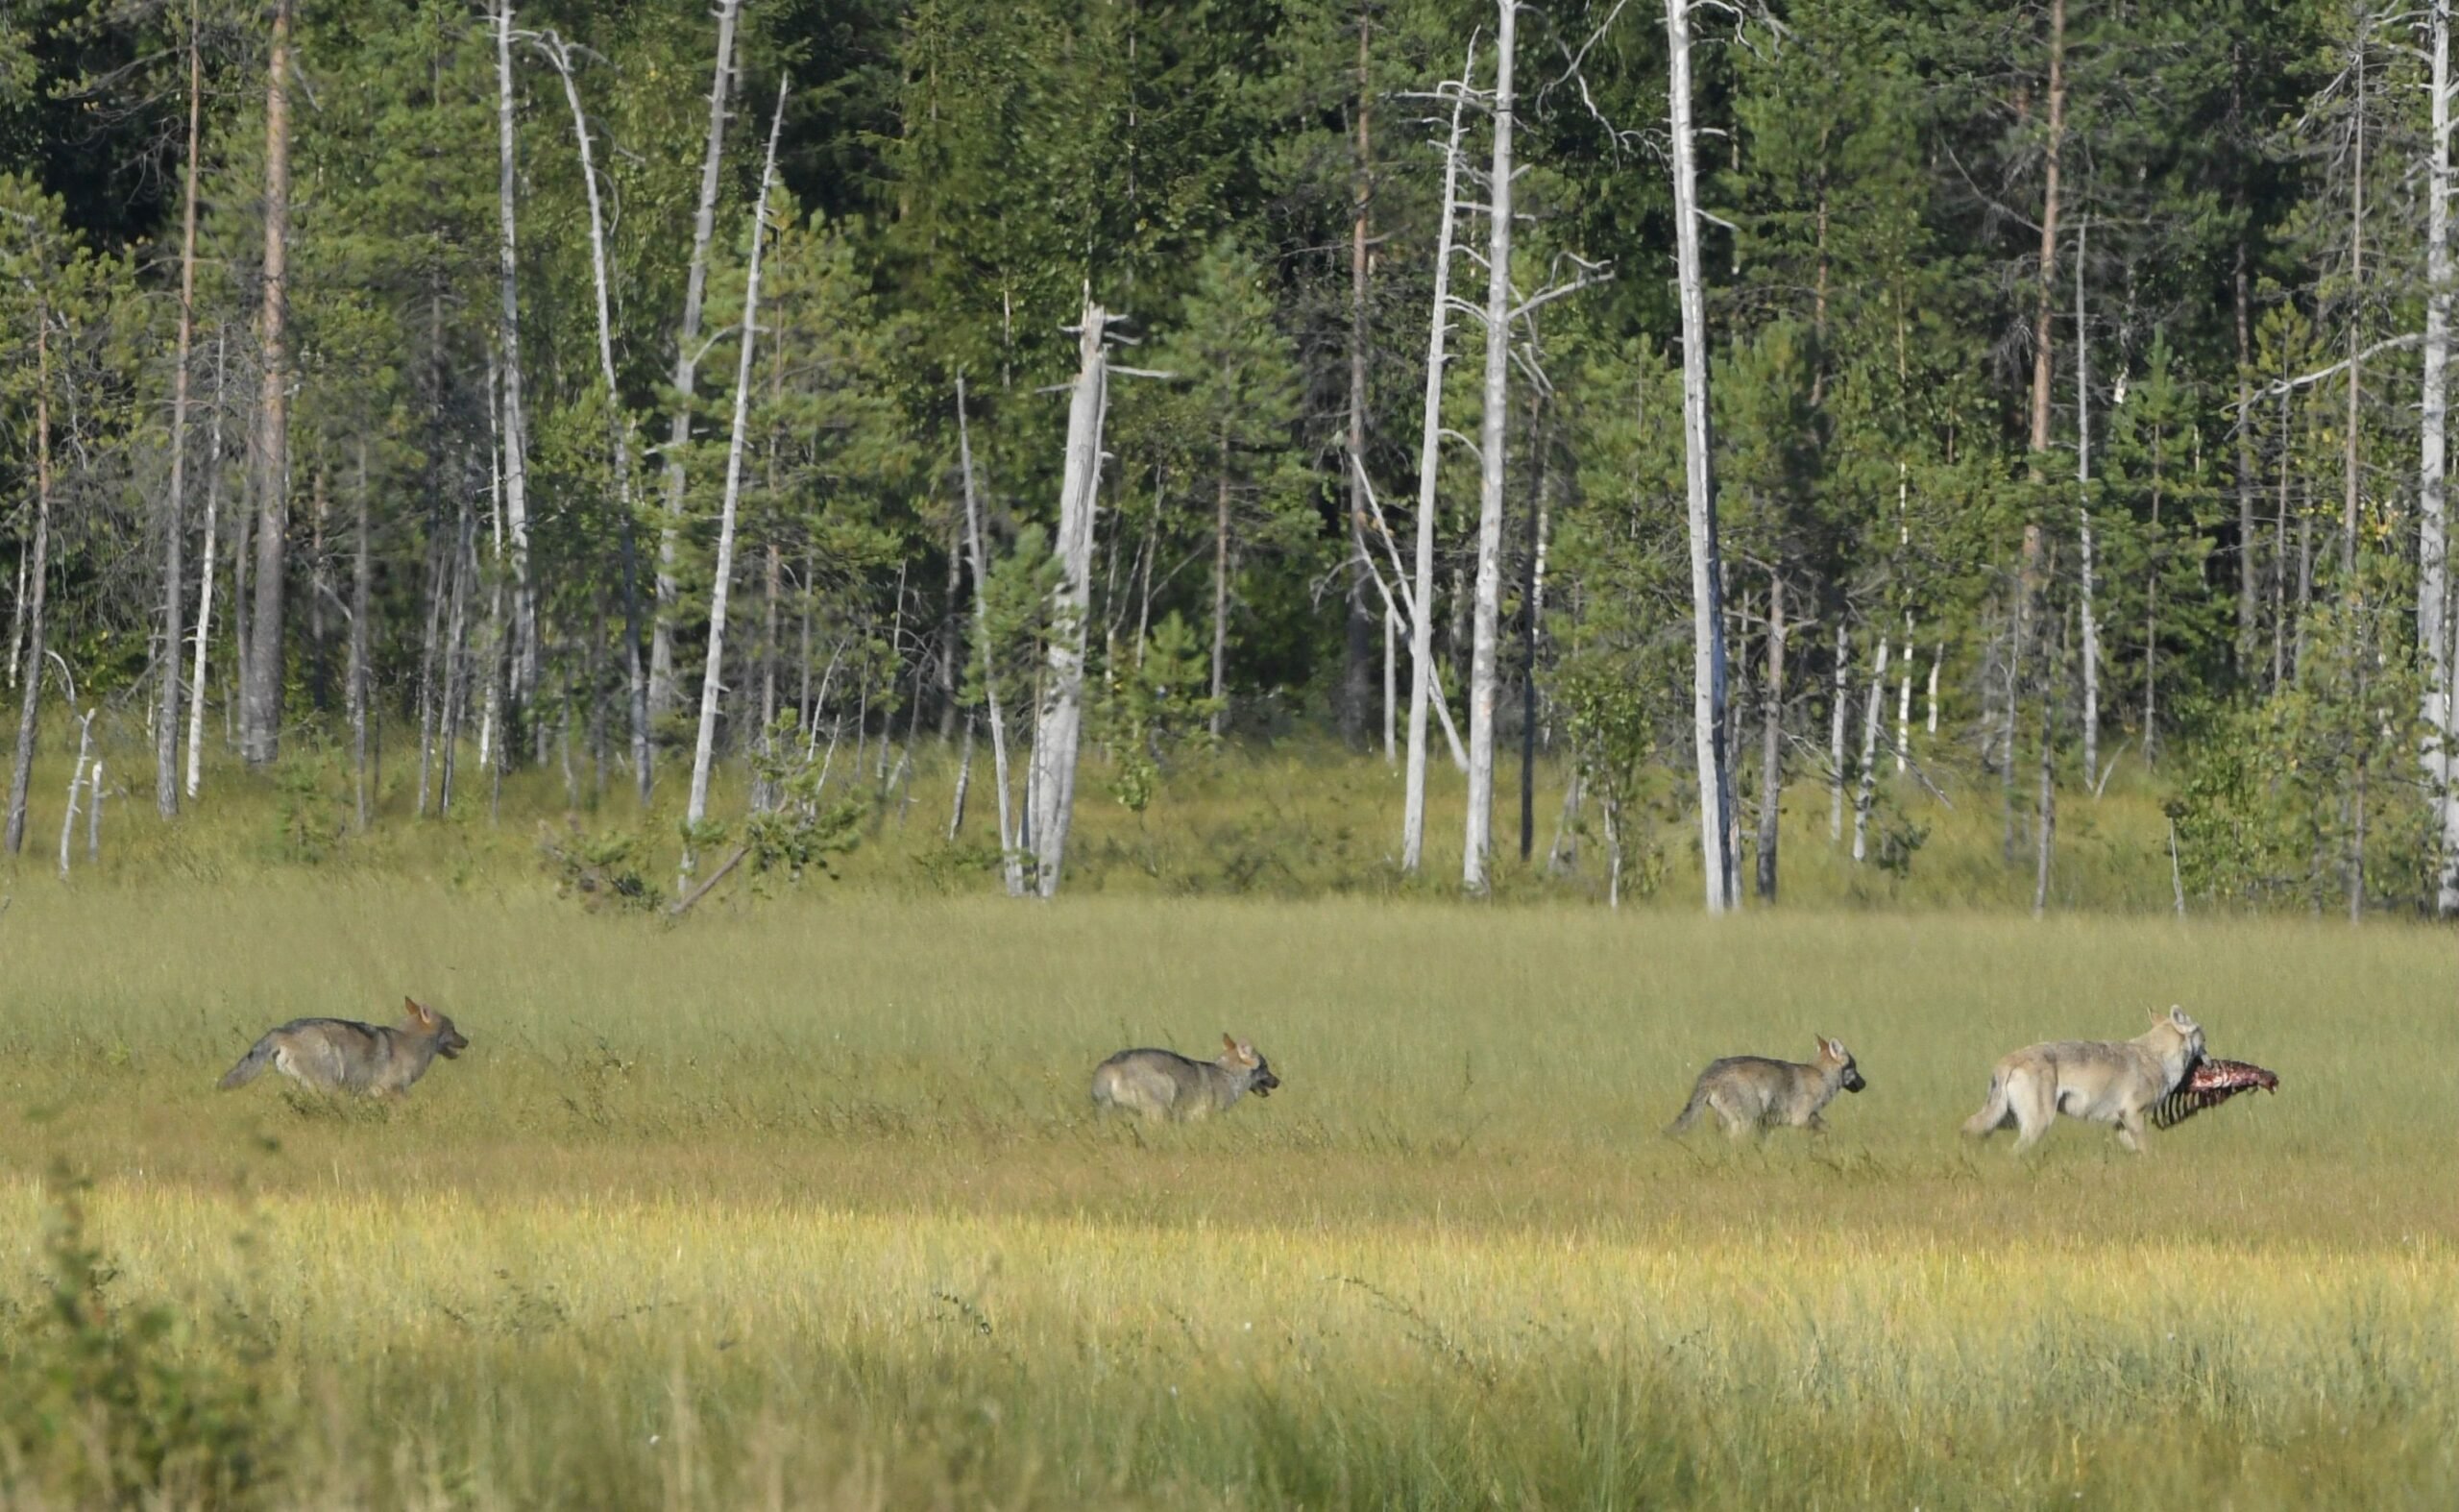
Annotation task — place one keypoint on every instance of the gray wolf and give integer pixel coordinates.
(335, 1055)
(2116, 1081)
(1750, 1093)
(1162, 1084)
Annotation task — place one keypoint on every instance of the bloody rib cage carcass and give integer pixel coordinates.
(2212, 1082)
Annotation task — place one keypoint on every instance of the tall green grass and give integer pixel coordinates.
(1298, 819)
(804, 1205)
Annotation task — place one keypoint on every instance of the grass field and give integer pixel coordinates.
(803, 1206)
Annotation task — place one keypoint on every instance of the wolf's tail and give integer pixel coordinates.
(1993, 1113)
(251, 1065)
(1691, 1109)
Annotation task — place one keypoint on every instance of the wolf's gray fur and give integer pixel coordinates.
(1750, 1093)
(1163, 1083)
(2115, 1081)
(338, 1055)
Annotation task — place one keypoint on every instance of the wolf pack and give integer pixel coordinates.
(2154, 1080)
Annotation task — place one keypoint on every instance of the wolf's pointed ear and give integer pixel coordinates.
(2178, 1016)
(1229, 1042)
(418, 1010)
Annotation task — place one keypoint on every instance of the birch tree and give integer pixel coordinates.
(687, 368)
(260, 694)
(205, 575)
(1011, 861)
(30, 699)
(1060, 716)
(1422, 666)
(619, 422)
(524, 662)
(713, 671)
(2083, 508)
(1708, 671)
(166, 714)
(1493, 440)
(2433, 607)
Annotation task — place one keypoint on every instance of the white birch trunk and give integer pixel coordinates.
(2433, 602)
(1011, 859)
(166, 726)
(1872, 715)
(1937, 655)
(30, 702)
(1839, 711)
(618, 424)
(686, 367)
(1493, 446)
(1059, 727)
(2084, 496)
(1903, 702)
(712, 671)
(18, 621)
(76, 780)
(1391, 683)
(1706, 608)
(205, 578)
(516, 447)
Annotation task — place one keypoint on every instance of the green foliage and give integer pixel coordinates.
(602, 868)
(1149, 708)
(127, 1405)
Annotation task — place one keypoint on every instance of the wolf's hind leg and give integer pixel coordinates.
(2129, 1130)
(2033, 1102)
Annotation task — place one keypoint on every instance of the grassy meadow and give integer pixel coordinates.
(801, 1204)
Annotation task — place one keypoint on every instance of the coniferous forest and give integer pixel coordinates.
(1841, 397)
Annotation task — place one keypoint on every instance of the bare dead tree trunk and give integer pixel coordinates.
(2433, 606)
(30, 701)
(1872, 715)
(1771, 740)
(2279, 552)
(2084, 489)
(1010, 857)
(2045, 831)
(2152, 613)
(964, 783)
(1060, 723)
(2249, 581)
(1360, 647)
(205, 578)
(712, 673)
(618, 425)
(1430, 457)
(319, 693)
(1493, 446)
(361, 595)
(76, 780)
(439, 587)
(2352, 479)
(1708, 711)
(457, 662)
(687, 366)
(1838, 709)
(494, 637)
(1904, 699)
(166, 719)
(260, 702)
(17, 622)
(523, 667)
